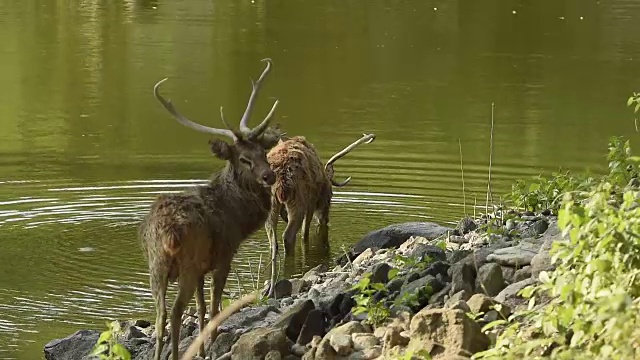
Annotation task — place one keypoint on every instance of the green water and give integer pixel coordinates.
(84, 147)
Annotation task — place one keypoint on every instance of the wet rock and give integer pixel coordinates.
(439, 297)
(293, 319)
(395, 284)
(537, 228)
(316, 271)
(466, 225)
(448, 330)
(463, 277)
(314, 325)
(132, 332)
(258, 343)
(283, 288)
(141, 323)
(187, 330)
(249, 318)
(438, 267)
(298, 286)
(393, 236)
(222, 345)
(489, 279)
(75, 346)
(422, 289)
(411, 277)
(457, 255)
(424, 251)
(380, 273)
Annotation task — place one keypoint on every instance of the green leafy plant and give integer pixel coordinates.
(107, 347)
(412, 262)
(546, 193)
(589, 306)
(376, 312)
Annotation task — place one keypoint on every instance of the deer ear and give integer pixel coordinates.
(221, 149)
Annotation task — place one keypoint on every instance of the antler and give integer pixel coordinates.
(244, 129)
(328, 167)
(186, 122)
(252, 133)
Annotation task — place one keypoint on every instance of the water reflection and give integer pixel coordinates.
(85, 148)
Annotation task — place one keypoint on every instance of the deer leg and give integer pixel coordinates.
(186, 288)
(159, 284)
(296, 216)
(271, 226)
(217, 285)
(306, 225)
(201, 309)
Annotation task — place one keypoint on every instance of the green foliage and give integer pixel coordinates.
(546, 193)
(413, 262)
(376, 312)
(107, 347)
(592, 299)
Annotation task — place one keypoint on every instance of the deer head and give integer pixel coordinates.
(247, 152)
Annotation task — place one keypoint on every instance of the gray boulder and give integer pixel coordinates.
(393, 236)
(73, 347)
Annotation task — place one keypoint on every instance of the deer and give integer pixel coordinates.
(302, 189)
(186, 235)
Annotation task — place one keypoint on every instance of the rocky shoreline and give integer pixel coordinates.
(426, 288)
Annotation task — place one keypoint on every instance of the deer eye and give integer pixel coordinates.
(246, 162)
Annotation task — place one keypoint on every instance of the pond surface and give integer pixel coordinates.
(84, 147)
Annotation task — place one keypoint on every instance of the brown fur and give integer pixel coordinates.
(303, 188)
(186, 235)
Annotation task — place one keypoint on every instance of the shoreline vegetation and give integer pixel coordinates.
(556, 274)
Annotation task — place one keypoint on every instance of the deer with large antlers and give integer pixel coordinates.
(186, 235)
(303, 187)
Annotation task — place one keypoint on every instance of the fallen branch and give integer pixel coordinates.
(213, 324)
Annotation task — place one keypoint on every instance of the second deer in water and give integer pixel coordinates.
(303, 187)
(186, 235)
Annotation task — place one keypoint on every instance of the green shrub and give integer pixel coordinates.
(591, 301)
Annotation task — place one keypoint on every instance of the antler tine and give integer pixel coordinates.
(263, 125)
(365, 139)
(252, 99)
(183, 120)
